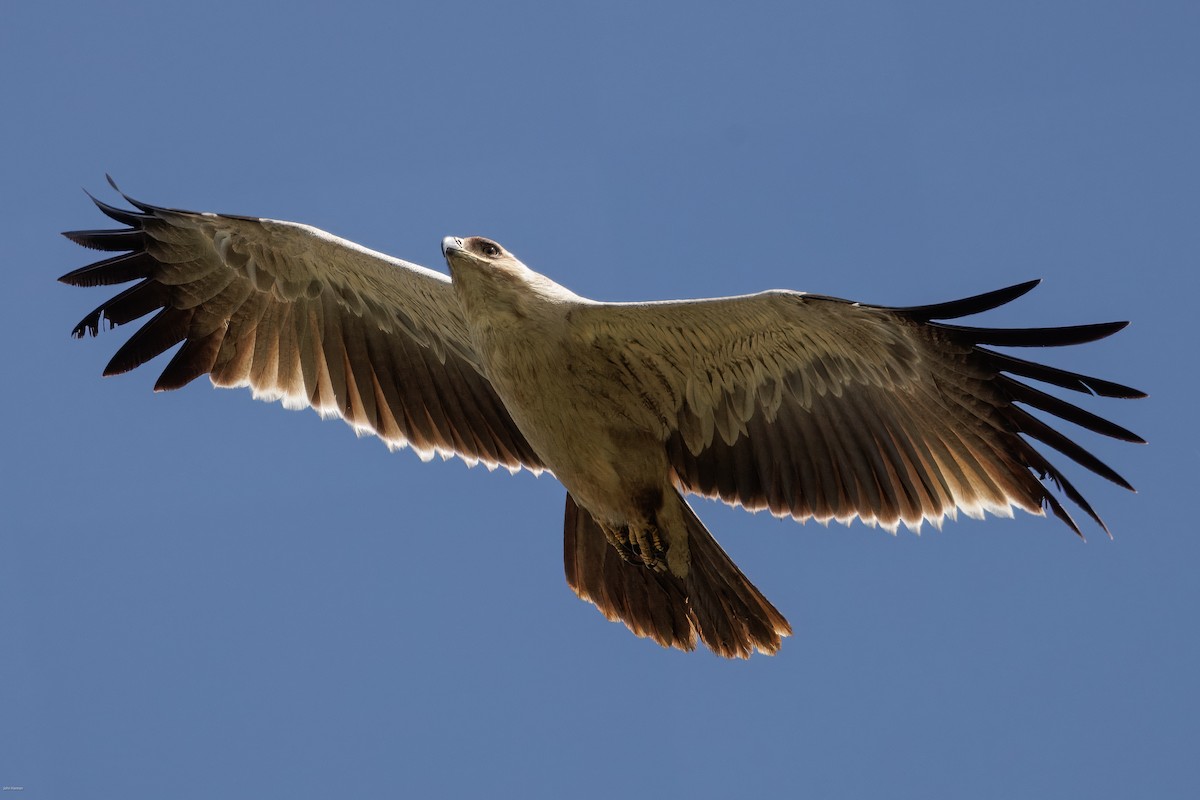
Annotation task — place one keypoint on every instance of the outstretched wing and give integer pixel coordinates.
(301, 316)
(817, 407)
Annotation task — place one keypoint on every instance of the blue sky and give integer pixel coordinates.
(202, 595)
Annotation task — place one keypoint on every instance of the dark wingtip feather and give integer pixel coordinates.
(1003, 362)
(89, 325)
(136, 301)
(1047, 471)
(1061, 336)
(976, 304)
(119, 214)
(166, 330)
(1061, 513)
(1023, 393)
(122, 239)
(110, 271)
(194, 359)
(146, 207)
(1036, 428)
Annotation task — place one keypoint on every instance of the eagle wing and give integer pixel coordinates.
(301, 316)
(816, 407)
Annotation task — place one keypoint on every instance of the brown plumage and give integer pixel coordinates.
(808, 406)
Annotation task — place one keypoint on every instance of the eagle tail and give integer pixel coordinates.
(715, 602)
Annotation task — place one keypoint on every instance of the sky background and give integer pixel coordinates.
(204, 596)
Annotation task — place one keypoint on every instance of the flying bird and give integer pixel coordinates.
(804, 405)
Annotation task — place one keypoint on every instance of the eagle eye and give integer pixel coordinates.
(490, 249)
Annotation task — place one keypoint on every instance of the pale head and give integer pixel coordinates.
(485, 273)
(478, 251)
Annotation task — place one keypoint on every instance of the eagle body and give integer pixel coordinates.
(807, 406)
(560, 385)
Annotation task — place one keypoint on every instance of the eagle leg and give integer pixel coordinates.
(639, 545)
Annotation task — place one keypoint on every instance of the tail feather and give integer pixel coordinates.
(715, 602)
(650, 604)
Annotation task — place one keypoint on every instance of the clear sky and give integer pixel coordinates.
(206, 596)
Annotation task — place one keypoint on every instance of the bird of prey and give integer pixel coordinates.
(804, 405)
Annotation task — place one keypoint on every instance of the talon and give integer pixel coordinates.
(631, 548)
(651, 549)
(626, 549)
(641, 546)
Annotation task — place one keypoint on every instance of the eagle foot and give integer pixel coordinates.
(619, 539)
(641, 546)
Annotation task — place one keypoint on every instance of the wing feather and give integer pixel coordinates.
(300, 316)
(817, 407)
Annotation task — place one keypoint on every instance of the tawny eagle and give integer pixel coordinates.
(804, 405)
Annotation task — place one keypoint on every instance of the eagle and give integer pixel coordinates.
(807, 406)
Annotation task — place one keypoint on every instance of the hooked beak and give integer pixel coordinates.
(451, 243)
